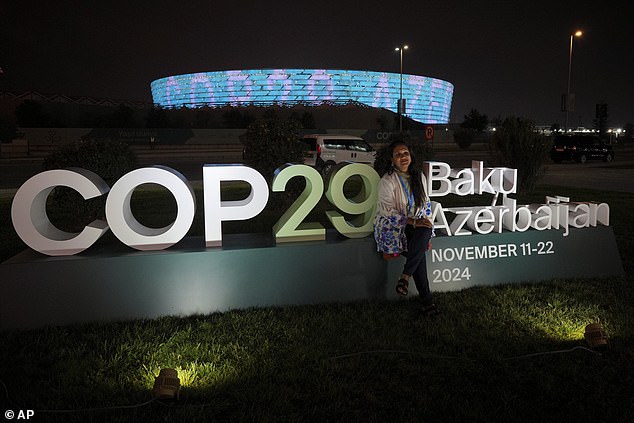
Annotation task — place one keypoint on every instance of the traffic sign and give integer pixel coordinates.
(429, 133)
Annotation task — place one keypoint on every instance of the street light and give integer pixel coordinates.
(572, 36)
(400, 97)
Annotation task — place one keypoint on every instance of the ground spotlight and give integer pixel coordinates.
(167, 386)
(595, 335)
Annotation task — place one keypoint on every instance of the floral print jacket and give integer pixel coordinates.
(392, 213)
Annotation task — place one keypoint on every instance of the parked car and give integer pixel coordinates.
(580, 148)
(325, 151)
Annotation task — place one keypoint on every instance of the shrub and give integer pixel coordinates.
(464, 137)
(269, 143)
(108, 159)
(516, 144)
(472, 129)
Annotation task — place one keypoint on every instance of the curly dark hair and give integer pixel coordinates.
(413, 170)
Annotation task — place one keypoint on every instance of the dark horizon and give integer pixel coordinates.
(502, 58)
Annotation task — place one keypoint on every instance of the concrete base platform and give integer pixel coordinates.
(113, 282)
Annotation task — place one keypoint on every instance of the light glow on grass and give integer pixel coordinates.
(194, 374)
(187, 375)
(212, 361)
(558, 317)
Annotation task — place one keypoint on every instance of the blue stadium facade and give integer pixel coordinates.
(428, 100)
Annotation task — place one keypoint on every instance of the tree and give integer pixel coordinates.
(471, 129)
(475, 120)
(108, 159)
(308, 120)
(517, 144)
(464, 137)
(269, 143)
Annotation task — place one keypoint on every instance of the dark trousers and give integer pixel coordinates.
(415, 265)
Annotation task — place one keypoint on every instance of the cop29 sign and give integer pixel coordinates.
(28, 211)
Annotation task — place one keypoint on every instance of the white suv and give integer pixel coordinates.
(325, 151)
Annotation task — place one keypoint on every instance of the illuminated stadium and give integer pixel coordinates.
(428, 100)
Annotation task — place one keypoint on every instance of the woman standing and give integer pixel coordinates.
(403, 222)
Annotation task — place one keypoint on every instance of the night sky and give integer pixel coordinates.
(503, 57)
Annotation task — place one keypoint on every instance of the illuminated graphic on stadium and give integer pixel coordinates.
(428, 100)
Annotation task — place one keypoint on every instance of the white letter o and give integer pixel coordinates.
(132, 233)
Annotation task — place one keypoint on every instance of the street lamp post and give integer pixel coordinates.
(572, 36)
(400, 97)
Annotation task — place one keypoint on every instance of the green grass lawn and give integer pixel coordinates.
(505, 353)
